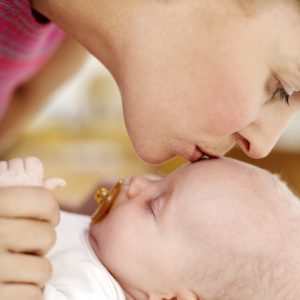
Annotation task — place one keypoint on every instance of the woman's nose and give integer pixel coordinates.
(252, 146)
(258, 138)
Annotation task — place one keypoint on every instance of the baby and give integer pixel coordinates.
(213, 230)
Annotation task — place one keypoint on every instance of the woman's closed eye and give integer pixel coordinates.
(282, 94)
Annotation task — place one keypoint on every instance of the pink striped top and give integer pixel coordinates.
(25, 46)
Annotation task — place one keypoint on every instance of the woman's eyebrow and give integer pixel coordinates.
(289, 76)
(295, 77)
(270, 84)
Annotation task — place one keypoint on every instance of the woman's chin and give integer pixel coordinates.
(152, 157)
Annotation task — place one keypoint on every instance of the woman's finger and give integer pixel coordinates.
(24, 268)
(20, 291)
(26, 235)
(29, 202)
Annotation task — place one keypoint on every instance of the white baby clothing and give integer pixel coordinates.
(77, 272)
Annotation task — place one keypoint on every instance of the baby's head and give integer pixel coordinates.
(217, 229)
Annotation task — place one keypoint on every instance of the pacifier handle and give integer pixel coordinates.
(106, 199)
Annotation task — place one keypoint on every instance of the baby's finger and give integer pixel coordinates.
(33, 166)
(3, 165)
(16, 164)
(53, 183)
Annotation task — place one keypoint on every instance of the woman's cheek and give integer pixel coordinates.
(226, 122)
(236, 102)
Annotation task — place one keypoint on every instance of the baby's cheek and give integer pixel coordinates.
(109, 232)
(94, 232)
(102, 243)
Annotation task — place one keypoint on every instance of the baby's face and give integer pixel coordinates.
(158, 227)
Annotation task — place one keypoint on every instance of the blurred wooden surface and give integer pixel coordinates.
(84, 158)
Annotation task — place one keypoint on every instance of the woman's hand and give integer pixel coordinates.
(28, 216)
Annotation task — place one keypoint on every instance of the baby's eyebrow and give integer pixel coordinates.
(264, 177)
(170, 195)
(275, 179)
(281, 187)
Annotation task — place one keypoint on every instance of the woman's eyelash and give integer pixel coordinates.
(280, 91)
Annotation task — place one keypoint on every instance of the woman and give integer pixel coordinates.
(196, 77)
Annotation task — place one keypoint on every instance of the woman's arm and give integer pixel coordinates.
(28, 215)
(30, 97)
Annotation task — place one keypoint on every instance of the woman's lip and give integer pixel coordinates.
(197, 154)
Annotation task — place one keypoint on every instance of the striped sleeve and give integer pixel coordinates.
(25, 46)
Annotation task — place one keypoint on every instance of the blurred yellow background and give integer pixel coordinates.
(81, 136)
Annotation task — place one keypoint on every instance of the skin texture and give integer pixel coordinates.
(209, 68)
(175, 234)
(194, 72)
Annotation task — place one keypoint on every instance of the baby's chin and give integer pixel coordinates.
(95, 237)
(93, 234)
(99, 235)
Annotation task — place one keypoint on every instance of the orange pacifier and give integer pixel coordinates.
(106, 199)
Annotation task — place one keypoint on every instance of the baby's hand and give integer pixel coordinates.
(26, 172)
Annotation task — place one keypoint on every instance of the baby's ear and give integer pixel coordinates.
(137, 184)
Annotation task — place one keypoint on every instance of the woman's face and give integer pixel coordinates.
(203, 74)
